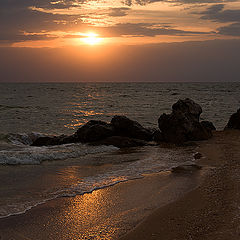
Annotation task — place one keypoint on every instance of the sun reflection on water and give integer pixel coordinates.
(85, 213)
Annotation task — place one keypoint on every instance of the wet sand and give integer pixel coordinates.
(210, 212)
(184, 211)
(103, 214)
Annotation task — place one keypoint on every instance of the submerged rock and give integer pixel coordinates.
(234, 121)
(183, 123)
(94, 131)
(126, 127)
(121, 142)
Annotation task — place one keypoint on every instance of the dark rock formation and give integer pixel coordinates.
(158, 136)
(121, 142)
(188, 107)
(234, 121)
(121, 132)
(183, 123)
(208, 125)
(94, 131)
(123, 126)
(56, 140)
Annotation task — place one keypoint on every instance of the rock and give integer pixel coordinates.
(183, 123)
(55, 140)
(208, 125)
(186, 168)
(94, 131)
(123, 126)
(234, 121)
(187, 106)
(158, 136)
(121, 142)
(197, 156)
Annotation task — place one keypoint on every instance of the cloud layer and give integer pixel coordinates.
(29, 20)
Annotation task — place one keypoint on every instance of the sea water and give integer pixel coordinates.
(33, 175)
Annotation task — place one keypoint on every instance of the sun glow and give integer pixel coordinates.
(92, 39)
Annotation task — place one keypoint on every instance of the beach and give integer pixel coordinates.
(211, 211)
(196, 205)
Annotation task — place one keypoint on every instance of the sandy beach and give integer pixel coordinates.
(159, 206)
(212, 210)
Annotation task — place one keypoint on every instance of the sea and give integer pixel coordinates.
(30, 176)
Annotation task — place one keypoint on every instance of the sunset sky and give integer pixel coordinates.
(97, 31)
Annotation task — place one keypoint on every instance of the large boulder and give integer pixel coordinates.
(183, 123)
(187, 107)
(94, 131)
(234, 121)
(124, 126)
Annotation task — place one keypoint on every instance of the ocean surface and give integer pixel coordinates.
(33, 175)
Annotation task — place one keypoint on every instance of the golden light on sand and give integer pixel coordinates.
(92, 39)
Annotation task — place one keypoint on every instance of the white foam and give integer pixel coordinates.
(24, 138)
(36, 155)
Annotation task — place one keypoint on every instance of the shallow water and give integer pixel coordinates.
(25, 186)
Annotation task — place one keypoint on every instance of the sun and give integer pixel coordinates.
(92, 39)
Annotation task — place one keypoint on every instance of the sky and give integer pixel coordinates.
(119, 40)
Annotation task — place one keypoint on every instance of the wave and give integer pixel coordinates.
(20, 138)
(126, 166)
(17, 209)
(36, 155)
(6, 107)
(24, 138)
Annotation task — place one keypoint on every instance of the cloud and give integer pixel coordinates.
(230, 30)
(217, 13)
(11, 38)
(144, 29)
(15, 17)
(144, 2)
(69, 16)
(118, 12)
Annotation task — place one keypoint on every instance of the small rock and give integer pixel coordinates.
(186, 168)
(197, 155)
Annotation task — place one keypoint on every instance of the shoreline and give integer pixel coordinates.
(182, 210)
(112, 211)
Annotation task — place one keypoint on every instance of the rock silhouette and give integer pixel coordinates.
(183, 123)
(178, 127)
(234, 121)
